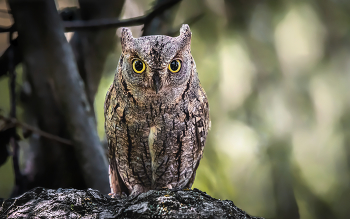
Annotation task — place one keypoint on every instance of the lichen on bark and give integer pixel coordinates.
(73, 203)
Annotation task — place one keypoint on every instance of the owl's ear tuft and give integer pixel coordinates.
(126, 37)
(185, 34)
(185, 30)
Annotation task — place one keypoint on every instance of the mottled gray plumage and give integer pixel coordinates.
(156, 121)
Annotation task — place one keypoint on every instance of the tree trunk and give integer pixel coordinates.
(61, 106)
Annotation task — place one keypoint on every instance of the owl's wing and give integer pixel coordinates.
(202, 125)
(116, 183)
(108, 113)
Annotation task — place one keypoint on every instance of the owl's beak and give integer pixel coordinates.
(157, 84)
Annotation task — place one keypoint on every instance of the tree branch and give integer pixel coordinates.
(115, 23)
(159, 23)
(189, 21)
(15, 122)
(6, 29)
(111, 23)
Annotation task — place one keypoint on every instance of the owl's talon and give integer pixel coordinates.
(113, 195)
(117, 196)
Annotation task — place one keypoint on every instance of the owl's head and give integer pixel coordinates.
(157, 67)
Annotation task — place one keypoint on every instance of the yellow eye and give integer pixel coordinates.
(138, 66)
(175, 66)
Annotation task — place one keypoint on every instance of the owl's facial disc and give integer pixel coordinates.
(157, 66)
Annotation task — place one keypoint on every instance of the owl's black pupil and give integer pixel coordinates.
(138, 65)
(174, 65)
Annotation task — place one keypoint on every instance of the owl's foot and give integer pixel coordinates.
(118, 196)
(185, 188)
(138, 189)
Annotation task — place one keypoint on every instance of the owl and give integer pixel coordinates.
(156, 115)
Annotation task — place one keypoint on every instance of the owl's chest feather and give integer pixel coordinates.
(157, 144)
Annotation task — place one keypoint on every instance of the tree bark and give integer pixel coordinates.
(72, 203)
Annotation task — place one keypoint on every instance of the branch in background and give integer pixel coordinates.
(4, 58)
(92, 47)
(5, 137)
(159, 24)
(19, 188)
(115, 23)
(7, 29)
(189, 21)
(111, 23)
(15, 122)
(4, 11)
(70, 13)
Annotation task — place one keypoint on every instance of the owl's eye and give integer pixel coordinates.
(138, 66)
(175, 66)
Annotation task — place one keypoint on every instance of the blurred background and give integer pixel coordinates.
(277, 76)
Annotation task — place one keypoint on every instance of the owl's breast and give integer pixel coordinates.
(157, 145)
(169, 144)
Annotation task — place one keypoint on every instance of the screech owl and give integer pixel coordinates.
(156, 115)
